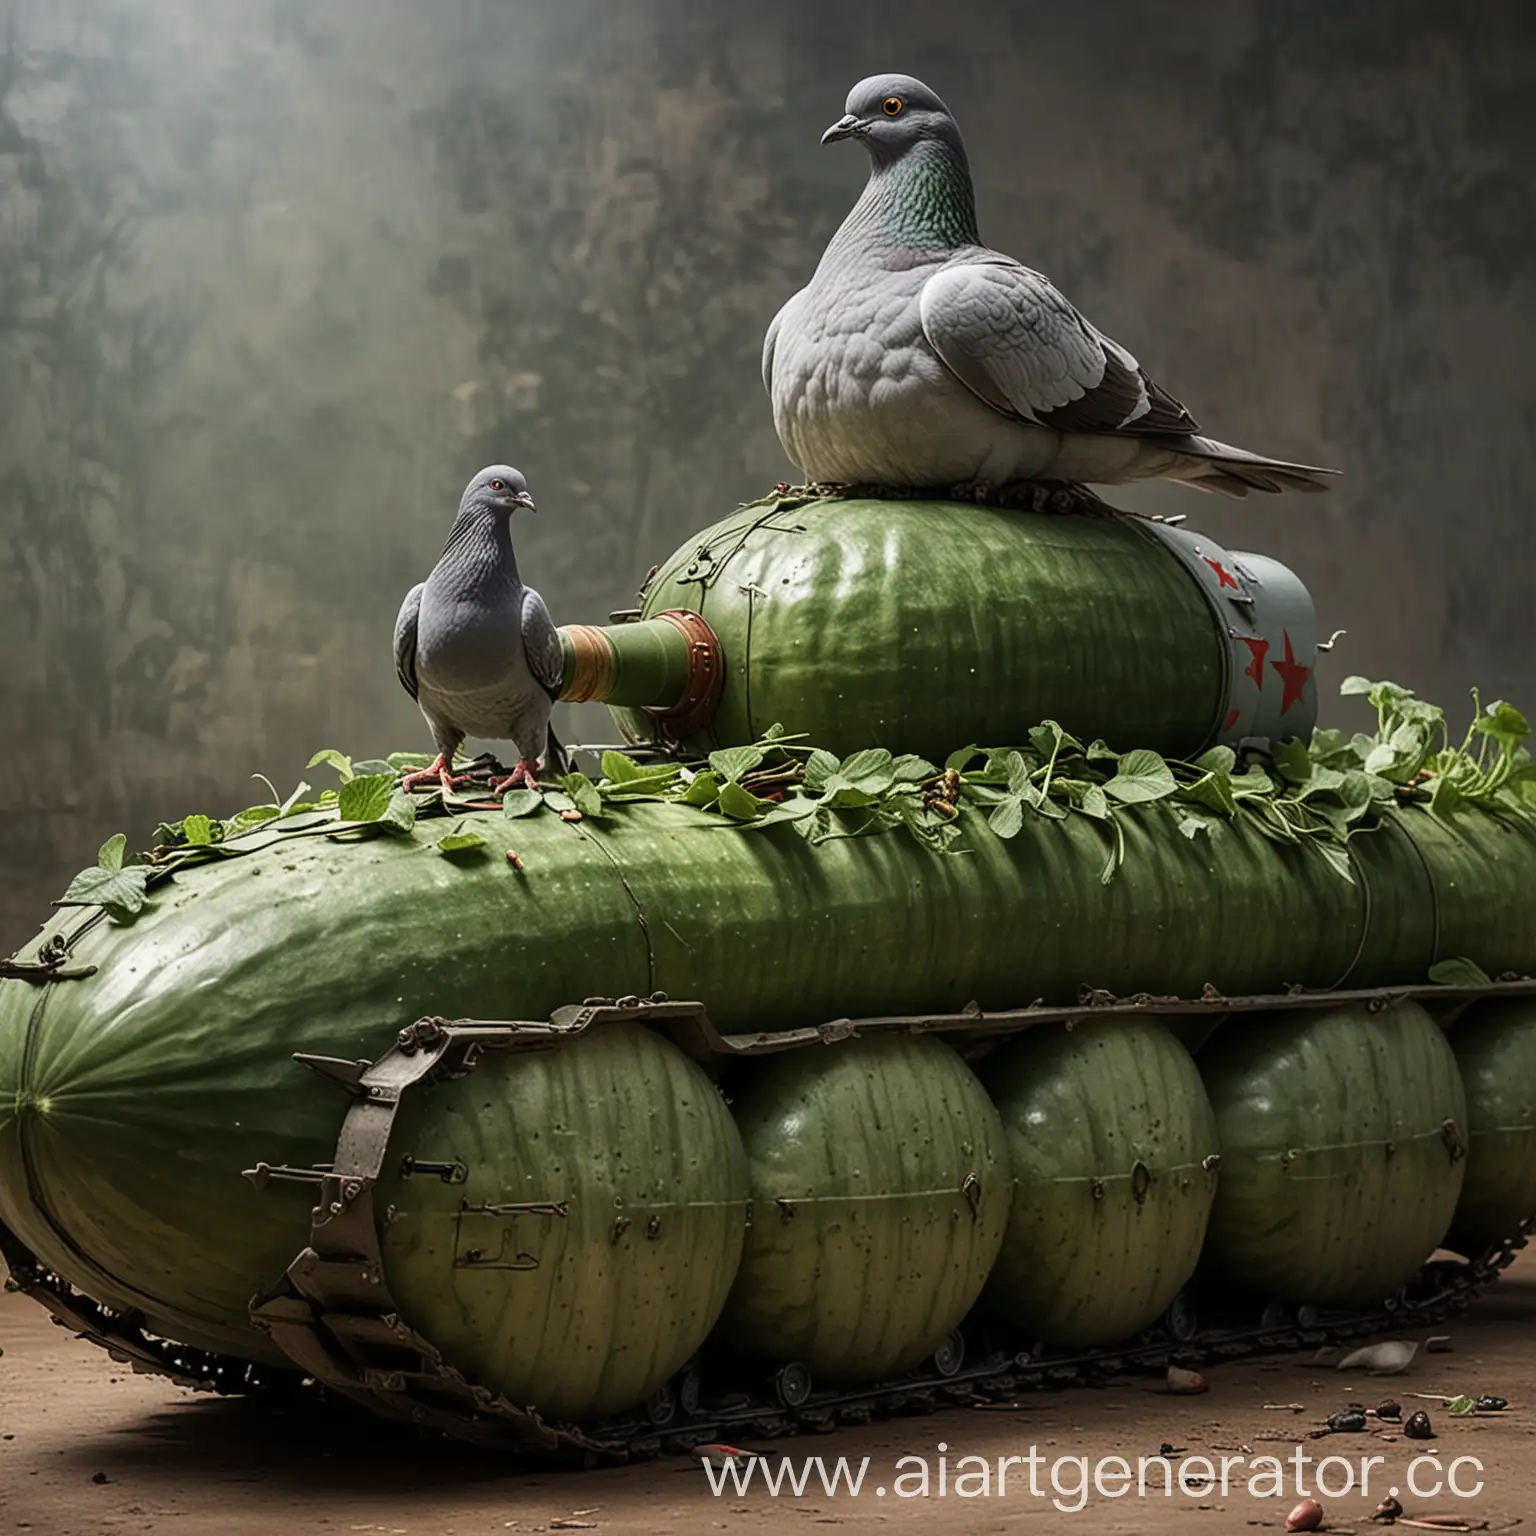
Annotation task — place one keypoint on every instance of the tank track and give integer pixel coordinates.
(333, 1317)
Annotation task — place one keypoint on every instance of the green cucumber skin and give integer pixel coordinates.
(1495, 1048)
(1336, 1182)
(588, 1313)
(168, 1071)
(877, 1256)
(919, 626)
(1085, 1263)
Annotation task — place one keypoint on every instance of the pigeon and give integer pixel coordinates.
(477, 649)
(918, 358)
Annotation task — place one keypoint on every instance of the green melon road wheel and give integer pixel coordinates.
(1113, 1144)
(1342, 1151)
(880, 1188)
(1495, 1047)
(582, 1237)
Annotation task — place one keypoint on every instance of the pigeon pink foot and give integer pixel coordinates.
(525, 774)
(441, 771)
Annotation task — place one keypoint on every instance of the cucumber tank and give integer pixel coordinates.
(975, 973)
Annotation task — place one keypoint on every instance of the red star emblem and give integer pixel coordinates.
(1223, 576)
(1231, 719)
(1258, 649)
(1293, 675)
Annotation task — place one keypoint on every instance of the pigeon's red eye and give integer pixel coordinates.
(495, 485)
(891, 106)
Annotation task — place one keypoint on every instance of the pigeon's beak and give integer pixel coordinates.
(524, 500)
(844, 128)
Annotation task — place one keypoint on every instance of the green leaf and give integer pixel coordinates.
(1326, 744)
(521, 802)
(739, 803)
(408, 762)
(1460, 1407)
(1213, 790)
(1504, 723)
(1021, 779)
(913, 770)
(1095, 803)
(703, 791)
(457, 840)
(253, 816)
(1007, 819)
(121, 890)
(871, 770)
(819, 767)
(1049, 740)
(775, 732)
(1218, 760)
(400, 814)
(1324, 781)
(983, 794)
(621, 769)
(112, 852)
(1193, 826)
(959, 761)
(1381, 759)
(1387, 696)
(1444, 798)
(795, 808)
(1337, 859)
(370, 765)
(197, 829)
(1345, 802)
(1251, 785)
(1098, 752)
(1354, 685)
(366, 798)
(1141, 776)
(557, 800)
(583, 793)
(840, 795)
(1293, 760)
(337, 760)
(655, 785)
(1459, 972)
(736, 762)
(815, 829)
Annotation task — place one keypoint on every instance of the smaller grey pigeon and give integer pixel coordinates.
(476, 648)
(918, 358)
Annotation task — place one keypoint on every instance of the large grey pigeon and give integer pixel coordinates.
(477, 649)
(917, 358)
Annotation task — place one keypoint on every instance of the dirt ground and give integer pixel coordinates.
(86, 1447)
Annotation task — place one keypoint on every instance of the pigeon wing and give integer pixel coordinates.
(405, 639)
(541, 644)
(770, 340)
(1014, 341)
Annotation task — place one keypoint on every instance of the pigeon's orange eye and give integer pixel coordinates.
(891, 106)
(495, 485)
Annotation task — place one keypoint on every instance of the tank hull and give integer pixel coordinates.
(132, 1098)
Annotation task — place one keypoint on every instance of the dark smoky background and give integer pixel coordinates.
(277, 277)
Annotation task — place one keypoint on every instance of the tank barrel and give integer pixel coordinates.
(670, 666)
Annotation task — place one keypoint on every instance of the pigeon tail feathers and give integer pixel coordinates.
(1234, 471)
